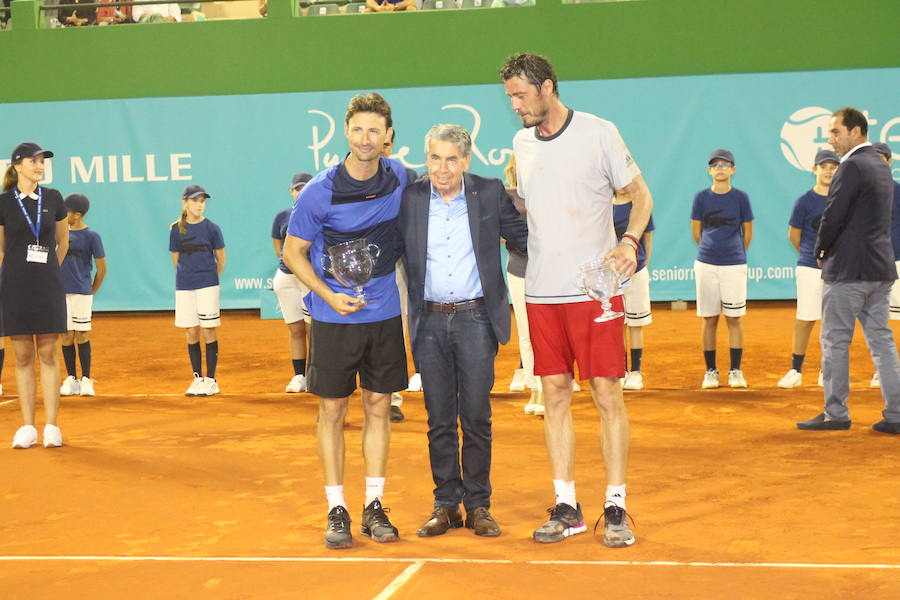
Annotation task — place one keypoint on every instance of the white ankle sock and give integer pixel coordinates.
(616, 495)
(565, 492)
(335, 496)
(374, 489)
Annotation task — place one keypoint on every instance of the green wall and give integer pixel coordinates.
(588, 41)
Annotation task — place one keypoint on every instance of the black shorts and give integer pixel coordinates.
(338, 351)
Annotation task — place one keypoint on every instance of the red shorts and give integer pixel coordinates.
(563, 334)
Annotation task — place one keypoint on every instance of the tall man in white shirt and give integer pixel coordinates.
(569, 165)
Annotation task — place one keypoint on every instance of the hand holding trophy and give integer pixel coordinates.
(599, 280)
(352, 264)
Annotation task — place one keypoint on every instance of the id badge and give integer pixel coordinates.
(37, 254)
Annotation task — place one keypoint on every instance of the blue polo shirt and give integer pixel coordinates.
(621, 215)
(84, 246)
(335, 208)
(806, 216)
(721, 234)
(279, 232)
(196, 254)
(451, 273)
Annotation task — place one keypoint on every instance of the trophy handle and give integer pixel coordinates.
(376, 252)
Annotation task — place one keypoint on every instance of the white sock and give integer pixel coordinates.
(335, 496)
(565, 492)
(374, 489)
(616, 495)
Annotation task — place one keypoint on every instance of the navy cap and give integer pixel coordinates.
(299, 180)
(883, 149)
(77, 203)
(824, 155)
(194, 190)
(722, 154)
(29, 150)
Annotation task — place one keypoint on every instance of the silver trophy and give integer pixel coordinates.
(352, 264)
(599, 280)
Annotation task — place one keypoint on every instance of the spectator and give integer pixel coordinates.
(505, 3)
(71, 15)
(390, 5)
(156, 13)
(110, 15)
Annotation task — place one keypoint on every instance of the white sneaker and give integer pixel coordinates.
(539, 410)
(634, 380)
(575, 386)
(736, 379)
(297, 385)
(529, 407)
(210, 387)
(87, 386)
(518, 381)
(396, 399)
(876, 381)
(52, 436)
(26, 437)
(70, 387)
(821, 379)
(1, 389)
(791, 380)
(196, 386)
(415, 383)
(711, 379)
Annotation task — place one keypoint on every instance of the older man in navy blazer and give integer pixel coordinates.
(451, 225)
(857, 259)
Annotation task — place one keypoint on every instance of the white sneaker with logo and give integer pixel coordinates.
(210, 387)
(415, 383)
(297, 385)
(518, 381)
(196, 386)
(26, 437)
(711, 379)
(52, 436)
(87, 386)
(70, 387)
(791, 380)
(876, 381)
(634, 380)
(736, 379)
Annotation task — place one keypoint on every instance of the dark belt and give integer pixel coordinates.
(450, 308)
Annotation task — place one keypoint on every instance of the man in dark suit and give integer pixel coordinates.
(857, 259)
(451, 225)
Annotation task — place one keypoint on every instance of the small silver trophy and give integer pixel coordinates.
(599, 280)
(352, 264)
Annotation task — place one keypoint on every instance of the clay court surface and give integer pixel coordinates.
(156, 495)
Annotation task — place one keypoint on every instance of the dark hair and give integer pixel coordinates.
(371, 103)
(853, 118)
(534, 68)
(10, 178)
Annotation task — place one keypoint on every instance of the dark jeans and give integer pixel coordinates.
(456, 354)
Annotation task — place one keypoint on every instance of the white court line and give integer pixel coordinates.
(399, 581)
(362, 559)
(9, 401)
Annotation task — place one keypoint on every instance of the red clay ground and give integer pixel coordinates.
(719, 477)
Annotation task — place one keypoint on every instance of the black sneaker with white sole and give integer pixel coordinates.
(337, 535)
(376, 525)
(616, 532)
(564, 521)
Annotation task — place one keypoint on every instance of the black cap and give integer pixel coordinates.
(77, 203)
(299, 180)
(883, 149)
(824, 155)
(29, 150)
(723, 154)
(194, 190)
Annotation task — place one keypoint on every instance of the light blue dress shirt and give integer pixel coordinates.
(451, 273)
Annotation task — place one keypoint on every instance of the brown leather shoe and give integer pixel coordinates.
(441, 520)
(482, 522)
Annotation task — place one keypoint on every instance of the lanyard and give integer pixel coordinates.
(35, 229)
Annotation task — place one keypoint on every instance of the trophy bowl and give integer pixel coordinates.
(600, 281)
(352, 264)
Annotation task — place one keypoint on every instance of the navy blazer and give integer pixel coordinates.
(855, 232)
(492, 215)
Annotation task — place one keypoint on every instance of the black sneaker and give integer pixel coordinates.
(337, 535)
(564, 521)
(376, 525)
(616, 532)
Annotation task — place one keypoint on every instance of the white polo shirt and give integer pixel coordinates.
(568, 181)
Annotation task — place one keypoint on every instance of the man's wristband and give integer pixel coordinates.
(630, 242)
(631, 237)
